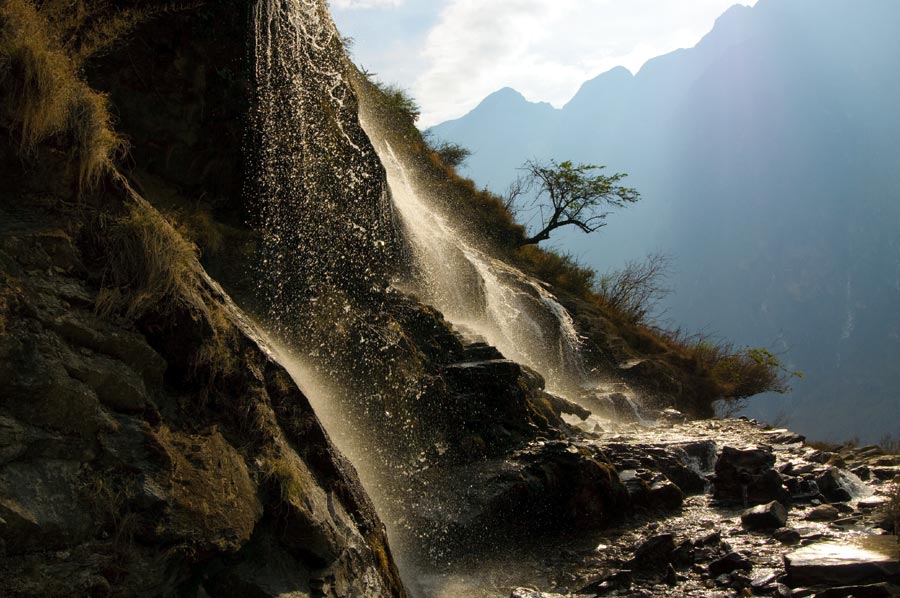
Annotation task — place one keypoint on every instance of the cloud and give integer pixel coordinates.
(363, 4)
(546, 48)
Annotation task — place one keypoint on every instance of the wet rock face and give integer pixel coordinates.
(103, 464)
(544, 489)
(748, 477)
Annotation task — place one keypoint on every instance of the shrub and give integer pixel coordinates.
(894, 505)
(400, 102)
(451, 154)
(635, 292)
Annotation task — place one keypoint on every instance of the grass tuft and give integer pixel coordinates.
(149, 265)
(43, 98)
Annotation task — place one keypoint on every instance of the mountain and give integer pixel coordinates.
(767, 157)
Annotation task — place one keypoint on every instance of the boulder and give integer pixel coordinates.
(615, 406)
(653, 492)
(746, 476)
(765, 517)
(732, 561)
(851, 561)
(839, 485)
(875, 590)
(654, 553)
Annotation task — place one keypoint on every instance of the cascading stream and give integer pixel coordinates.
(479, 294)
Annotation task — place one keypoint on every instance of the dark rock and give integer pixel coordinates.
(481, 352)
(654, 553)
(561, 405)
(728, 563)
(785, 437)
(762, 580)
(549, 486)
(765, 517)
(850, 561)
(684, 554)
(618, 580)
(651, 491)
(823, 513)
(838, 485)
(614, 406)
(786, 535)
(747, 477)
(877, 590)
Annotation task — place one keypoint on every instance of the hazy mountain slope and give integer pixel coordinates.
(767, 157)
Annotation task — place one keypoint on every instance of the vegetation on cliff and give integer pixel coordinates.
(706, 370)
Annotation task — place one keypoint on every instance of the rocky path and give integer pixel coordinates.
(695, 532)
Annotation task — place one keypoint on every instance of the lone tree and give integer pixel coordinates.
(570, 195)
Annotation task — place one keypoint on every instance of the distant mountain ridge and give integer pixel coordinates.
(769, 162)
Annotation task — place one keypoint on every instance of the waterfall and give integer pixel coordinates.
(484, 297)
(327, 235)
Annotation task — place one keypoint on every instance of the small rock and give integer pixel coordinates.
(655, 551)
(763, 579)
(526, 593)
(672, 416)
(728, 563)
(786, 535)
(823, 513)
(763, 517)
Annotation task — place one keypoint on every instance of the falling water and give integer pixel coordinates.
(327, 234)
(484, 297)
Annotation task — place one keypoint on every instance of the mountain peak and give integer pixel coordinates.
(606, 84)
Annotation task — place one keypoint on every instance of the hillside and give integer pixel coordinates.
(767, 161)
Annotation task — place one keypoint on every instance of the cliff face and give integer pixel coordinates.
(149, 443)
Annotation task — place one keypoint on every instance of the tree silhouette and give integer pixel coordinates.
(566, 194)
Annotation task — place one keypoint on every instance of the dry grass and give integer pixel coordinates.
(149, 265)
(201, 227)
(287, 478)
(43, 98)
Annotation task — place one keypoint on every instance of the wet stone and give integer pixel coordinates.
(850, 561)
(655, 551)
(746, 476)
(823, 513)
(786, 535)
(730, 562)
(765, 517)
(877, 590)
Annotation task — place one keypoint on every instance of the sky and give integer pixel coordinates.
(450, 54)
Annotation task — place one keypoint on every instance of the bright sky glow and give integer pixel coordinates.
(452, 53)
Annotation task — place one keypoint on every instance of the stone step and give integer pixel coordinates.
(851, 561)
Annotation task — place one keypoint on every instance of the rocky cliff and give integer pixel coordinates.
(150, 443)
